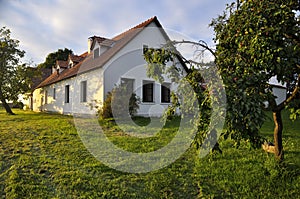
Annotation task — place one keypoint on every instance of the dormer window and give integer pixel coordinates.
(96, 53)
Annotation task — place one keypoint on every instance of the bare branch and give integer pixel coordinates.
(200, 43)
(293, 95)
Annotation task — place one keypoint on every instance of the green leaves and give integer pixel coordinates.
(60, 54)
(157, 59)
(14, 78)
(252, 47)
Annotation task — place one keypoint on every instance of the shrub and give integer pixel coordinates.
(119, 97)
(18, 105)
(105, 111)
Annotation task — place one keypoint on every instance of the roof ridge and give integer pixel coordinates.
(95, 36)
(141, 25)
(84, 54)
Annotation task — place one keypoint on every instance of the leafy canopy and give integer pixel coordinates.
(60, 54)
(195, 100)
(255, 42)
(15, 78)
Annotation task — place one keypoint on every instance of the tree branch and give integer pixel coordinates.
(293, 95)
(200, 43)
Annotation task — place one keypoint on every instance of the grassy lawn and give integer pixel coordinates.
(42, 156)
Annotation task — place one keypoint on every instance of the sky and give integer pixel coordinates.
(44, 26)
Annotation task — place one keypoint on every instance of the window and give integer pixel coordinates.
(148, 91)
(128, 83)
(46, 97)
(165, 93)
(96, 53)
(54, 93)
(145, 49)
(83, 91)
(67, 93)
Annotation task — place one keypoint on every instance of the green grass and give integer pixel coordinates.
(42, 156)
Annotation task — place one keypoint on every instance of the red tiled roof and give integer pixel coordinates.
(56, 77)
(139, 26)
(97, 39)
(107, 42)
(84, 54)
(120, 41)
(62, 64)
(76, 58)
(101, 41)
(88, 63)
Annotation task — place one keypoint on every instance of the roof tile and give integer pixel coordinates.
(62, 64)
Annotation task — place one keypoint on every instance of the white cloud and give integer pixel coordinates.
(44, 26)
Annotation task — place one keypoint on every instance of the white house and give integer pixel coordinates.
(77, 85)
(279, 89)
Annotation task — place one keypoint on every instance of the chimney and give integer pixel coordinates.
(90, 41)
(53, 69)
(57, 69)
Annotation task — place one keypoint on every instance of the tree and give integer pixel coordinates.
(258, 40)
(60, 54)
(255, 40)
(14, 78)
(197, 101)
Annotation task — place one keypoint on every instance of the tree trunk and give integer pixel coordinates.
(278, 135)
(5, 105)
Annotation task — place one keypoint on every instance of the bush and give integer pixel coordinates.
(105, 111)
(119, 97)
(18, 105)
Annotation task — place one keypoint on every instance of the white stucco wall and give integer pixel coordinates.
(94, 92)
(129, 63)
(38, 97)
(95, 96)
(138, 74)
(279, 89)
(280, 93)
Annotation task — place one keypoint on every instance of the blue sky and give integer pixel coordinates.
(44, 26)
